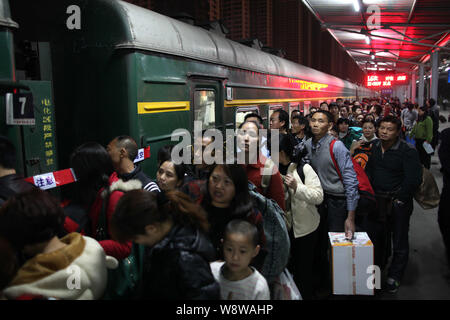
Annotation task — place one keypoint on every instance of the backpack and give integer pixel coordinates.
(277, 238)
(76, 218)
(367, 199)
(362, 154)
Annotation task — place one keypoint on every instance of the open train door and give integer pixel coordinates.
(26, 105)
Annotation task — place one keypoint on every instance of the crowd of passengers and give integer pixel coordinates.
(197, 226)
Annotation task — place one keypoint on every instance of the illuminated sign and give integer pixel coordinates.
(386, 80)
(307, 85)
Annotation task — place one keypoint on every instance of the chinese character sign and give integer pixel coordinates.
(386, 80)
(48, 132)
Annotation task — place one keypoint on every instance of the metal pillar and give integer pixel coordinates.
(434, 75)
(413, 88)
(421, 86)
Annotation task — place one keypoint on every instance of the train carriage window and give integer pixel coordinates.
(292, 107)
(204, 108)
(272, 108)
(242, 112)
(306, 106)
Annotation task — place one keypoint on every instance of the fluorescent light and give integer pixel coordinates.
(356, 5)
(372, 56)
(367, 39)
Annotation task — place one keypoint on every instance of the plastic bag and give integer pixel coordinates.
(284, 288)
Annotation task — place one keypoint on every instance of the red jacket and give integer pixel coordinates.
(112, 248)
(275, 189)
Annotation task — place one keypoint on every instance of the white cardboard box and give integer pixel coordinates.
(350, 261)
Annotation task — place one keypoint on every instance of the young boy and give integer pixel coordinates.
(237, 280)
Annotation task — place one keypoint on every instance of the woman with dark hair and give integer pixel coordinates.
(227, 198)
(97, 190)
(422, 132)
(269, 185)
(303, 192)
(170, 176)
(31, 223)
(173, 229)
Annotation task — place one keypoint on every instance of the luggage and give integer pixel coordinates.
(277, 238)
(427, 195)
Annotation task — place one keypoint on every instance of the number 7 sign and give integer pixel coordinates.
(20, 109)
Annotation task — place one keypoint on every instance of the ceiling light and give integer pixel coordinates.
(367, 39)
(356, 5)
(372, 55)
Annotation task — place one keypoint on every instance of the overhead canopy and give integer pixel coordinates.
(407, 32)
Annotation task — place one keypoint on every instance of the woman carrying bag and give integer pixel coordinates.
(303, 192)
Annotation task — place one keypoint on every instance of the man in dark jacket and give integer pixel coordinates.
(11, 183)
(123, 150)
(444, 204)
(395, 173)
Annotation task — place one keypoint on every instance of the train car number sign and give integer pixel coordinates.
(20, 109)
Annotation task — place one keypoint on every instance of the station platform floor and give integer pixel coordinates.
(427, 276)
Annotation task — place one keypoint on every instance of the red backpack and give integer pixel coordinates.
(366, 194)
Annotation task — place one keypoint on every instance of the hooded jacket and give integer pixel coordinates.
(177, 268)
(77, 271)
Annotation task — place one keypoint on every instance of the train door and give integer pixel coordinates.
(30, 113)
(207, 106)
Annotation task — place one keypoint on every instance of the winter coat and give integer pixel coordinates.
(275, 188)
(301, 211)
(116, 190)
(77, 271)
(177, 268)
(423, 129)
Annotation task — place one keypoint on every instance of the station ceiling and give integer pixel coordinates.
(387, 34)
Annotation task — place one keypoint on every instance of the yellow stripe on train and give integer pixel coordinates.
(163, 106)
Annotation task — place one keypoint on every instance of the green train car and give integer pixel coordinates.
(95, 69)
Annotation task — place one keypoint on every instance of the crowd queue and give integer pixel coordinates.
(196, 230)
